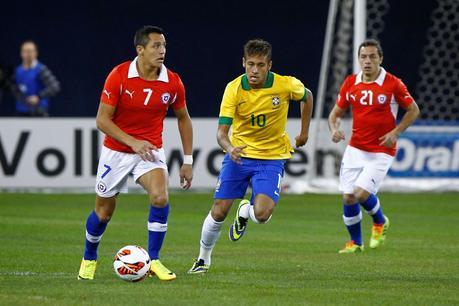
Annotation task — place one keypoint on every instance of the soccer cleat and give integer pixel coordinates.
(199, 267)
(237, 228)
(163, 273)
(351, 247)
(378, 233)
(87, 269)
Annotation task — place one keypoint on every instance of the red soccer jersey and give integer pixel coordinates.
(374, 108)
(141, 105)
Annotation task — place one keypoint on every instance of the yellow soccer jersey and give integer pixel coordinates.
(259, 116)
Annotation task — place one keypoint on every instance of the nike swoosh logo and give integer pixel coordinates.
(236, 232)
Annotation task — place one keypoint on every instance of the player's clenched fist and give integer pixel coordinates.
(337, 135)
(301, 140)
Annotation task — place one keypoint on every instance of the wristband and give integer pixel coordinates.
(188, 159)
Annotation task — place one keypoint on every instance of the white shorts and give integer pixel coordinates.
(115, 167)
(363, 169)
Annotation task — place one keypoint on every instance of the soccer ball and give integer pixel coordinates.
(132, 263)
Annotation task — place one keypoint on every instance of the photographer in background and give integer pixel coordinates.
(35, 84)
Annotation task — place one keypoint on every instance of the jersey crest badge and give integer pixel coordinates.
(165, 97)
(101, 187)
(382, 99)
(276, 102)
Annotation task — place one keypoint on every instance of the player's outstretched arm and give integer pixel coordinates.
(106, 125)
(225, 143)
(185, 127)
(389, 139)
(334, 120)
(306, 114)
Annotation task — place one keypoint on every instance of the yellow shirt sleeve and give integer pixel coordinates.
(298, 91)
(229, 102)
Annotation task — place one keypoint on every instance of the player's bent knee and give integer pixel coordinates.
(220, 209)
(361, 195)
(349, 199)
(104, 215)
(218, 214)
(262, 218)
(105, 207)
(361, 199)
(159, 200)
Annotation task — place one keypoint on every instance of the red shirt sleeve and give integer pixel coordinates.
(343, 96)
(111, 92)
(180, 100)
(402, 95)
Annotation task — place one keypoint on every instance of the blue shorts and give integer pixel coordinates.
(264, 175)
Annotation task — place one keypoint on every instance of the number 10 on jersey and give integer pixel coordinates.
(259, 120)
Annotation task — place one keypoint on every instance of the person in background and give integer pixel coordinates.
(35, 84)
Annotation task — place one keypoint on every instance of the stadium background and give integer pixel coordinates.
(82, 41)
(291, 260)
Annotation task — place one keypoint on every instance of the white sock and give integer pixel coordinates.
(254, 219)
(209, 236)
(244, 211)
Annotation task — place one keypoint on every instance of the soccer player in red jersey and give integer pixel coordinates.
(374, 96)
(132, 108)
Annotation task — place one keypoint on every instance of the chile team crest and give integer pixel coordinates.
(382, 99)
(165, 97)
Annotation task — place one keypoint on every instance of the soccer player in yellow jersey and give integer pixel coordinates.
(256, 105)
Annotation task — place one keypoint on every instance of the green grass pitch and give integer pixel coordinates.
(292, 260)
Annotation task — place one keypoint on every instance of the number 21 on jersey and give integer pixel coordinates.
(367, 97)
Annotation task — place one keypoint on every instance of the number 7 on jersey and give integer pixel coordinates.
(149, 91)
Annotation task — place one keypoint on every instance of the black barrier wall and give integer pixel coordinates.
(81, 41)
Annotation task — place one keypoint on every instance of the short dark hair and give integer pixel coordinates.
(257, 47)
(371, 43)
(29, 41)
(141, 35)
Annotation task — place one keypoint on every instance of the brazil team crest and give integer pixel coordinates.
(165, 97)
(276, 102)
